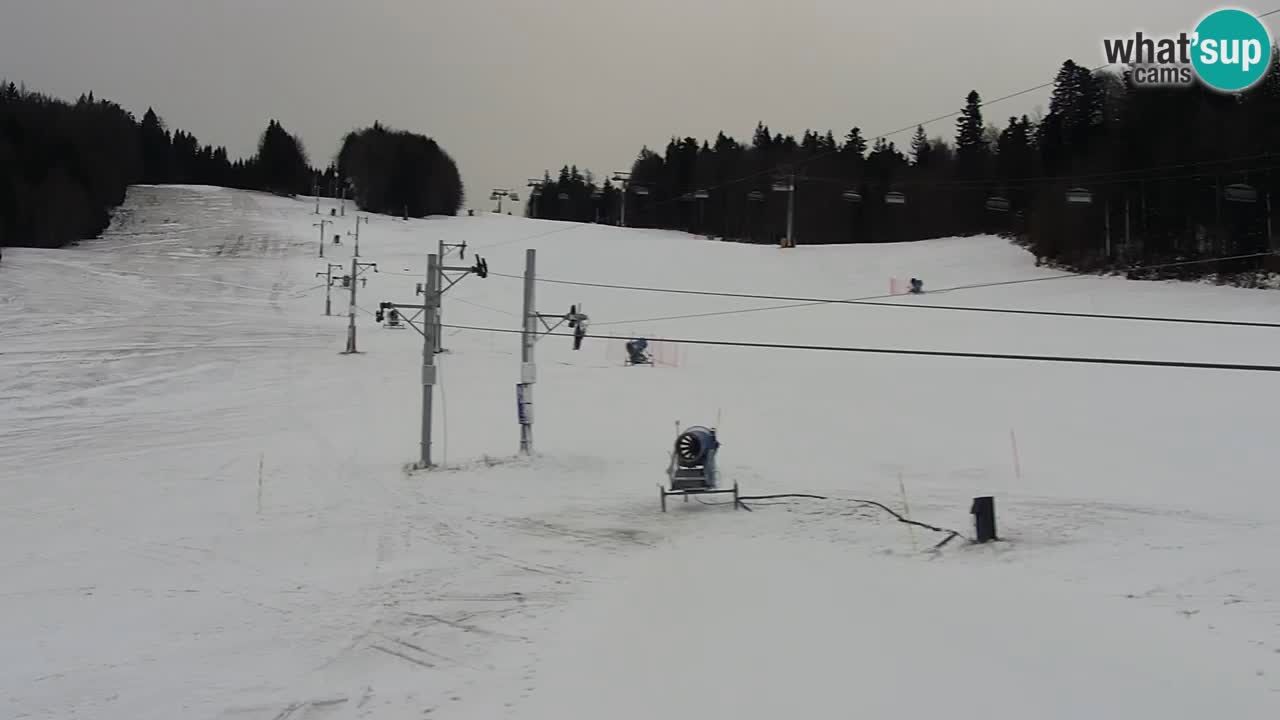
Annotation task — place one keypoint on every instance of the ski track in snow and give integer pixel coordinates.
(206, 511)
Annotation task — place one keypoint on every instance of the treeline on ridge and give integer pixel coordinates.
(65, 166)
(1113, 175)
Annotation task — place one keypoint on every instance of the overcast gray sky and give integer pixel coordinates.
(513, 87)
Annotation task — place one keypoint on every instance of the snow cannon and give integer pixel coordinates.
(696, 448)
(692, 469)
(636, 354)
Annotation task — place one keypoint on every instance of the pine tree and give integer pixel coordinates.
(971, 147)
(809, 143)
(283, 161)
(855, 144)
(920, 148)
(156, 149)
(761, 140)
(1015, 157)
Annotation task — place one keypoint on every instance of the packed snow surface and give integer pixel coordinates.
(209, 510)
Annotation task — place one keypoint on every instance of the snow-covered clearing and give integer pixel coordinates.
(206, 512)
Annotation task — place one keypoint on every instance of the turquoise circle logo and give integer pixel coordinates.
(1232, 50)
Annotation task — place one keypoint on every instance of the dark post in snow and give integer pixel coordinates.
(984, 518)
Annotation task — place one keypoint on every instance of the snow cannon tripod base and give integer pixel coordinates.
(692, 470)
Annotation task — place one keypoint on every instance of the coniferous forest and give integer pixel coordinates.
(396, 172)
(1111, 176)
(65, 166)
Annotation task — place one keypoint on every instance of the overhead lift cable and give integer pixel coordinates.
(875, 300)
(928, 353)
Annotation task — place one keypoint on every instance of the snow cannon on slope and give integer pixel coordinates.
(636, 354)
(695, 452)
(692, 469)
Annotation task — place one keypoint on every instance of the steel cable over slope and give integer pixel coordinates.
(926, 353)
(874, 300)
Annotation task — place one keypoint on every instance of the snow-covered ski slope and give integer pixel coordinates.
(205, 511)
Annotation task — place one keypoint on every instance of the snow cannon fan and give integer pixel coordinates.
(692, 470)
(696, 448)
